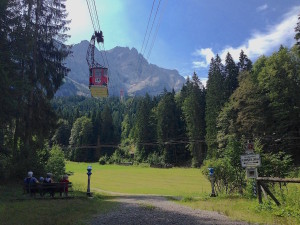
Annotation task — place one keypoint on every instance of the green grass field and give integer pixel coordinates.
(140, 180)
(16, 208)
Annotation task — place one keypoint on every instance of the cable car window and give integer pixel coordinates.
(97, 72)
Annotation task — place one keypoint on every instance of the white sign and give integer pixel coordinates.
(252, 160)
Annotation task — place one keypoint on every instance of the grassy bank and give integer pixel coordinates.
(140, 180)
(239, 208)
(18, 209)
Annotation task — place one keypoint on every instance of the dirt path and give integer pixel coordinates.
(156, 210)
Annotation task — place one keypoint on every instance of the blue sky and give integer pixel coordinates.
(191, 31)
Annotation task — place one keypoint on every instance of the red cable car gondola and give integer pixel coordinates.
(98, 75)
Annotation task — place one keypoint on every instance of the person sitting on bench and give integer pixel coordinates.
(30, 181)
(66, 181)
(48, 179)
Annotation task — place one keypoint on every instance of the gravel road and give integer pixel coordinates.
(157, 210)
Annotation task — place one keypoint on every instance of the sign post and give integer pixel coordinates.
(212, 181)
(251, 161)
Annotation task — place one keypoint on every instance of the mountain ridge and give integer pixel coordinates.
(128, 71)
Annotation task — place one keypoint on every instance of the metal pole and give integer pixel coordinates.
(212, 181)
(89, 173)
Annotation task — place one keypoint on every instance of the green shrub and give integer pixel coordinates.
(104, 160)
(120, 155)
(56, 162)
(275, 165)
(228, 172)
(155, 159)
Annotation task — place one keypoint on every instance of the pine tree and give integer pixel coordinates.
(168, 126)
(244, 63)
(297, 35)
(231, 75)
(194, 113)
(215, 99)
(34, 55)
(145, 130)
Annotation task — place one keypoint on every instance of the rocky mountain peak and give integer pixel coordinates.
(128, 71)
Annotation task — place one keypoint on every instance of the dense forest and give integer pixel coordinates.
(241, 102)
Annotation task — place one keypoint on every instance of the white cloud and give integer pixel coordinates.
(264, 43)
(206, 54)
(262, 8)
(203, 80)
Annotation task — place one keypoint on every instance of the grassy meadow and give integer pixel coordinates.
(140, 180)
(16, 208)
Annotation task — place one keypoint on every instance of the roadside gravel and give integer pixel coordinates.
(157, 210)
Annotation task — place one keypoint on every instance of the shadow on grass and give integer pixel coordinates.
(19, 208)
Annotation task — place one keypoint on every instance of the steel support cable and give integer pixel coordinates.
(148, 25)
(165, 142)
(140, 56)
(96, 13)
(99, 29)
(96, 25)
(156, 30)
(149, 19)
(152, 26)
(92, 19)
(93, 15)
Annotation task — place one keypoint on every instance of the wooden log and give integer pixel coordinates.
(259, 192)
(270, 193)
(277, 179)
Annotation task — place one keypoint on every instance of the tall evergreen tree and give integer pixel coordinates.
(244, 63)
(168, 127)
(231, 75)
(32, 35)
(194, 113)
(145, 129)
(297, 35)
(215, 99)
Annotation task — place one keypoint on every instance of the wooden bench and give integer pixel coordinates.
(43, 188)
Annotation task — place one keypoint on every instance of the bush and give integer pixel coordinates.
(275, 165)
(104, 160)
(156, 159)
(120, 155)
(228, 172)
(56, 162)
